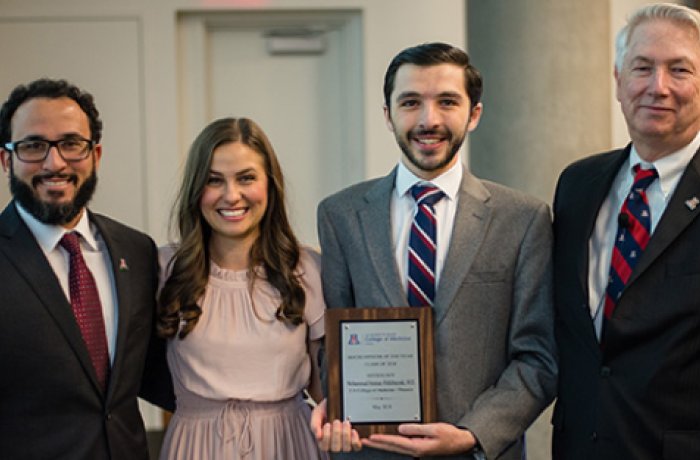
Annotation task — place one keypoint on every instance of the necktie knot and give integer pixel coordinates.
(643, 178)
(71, 243)
(426, 194)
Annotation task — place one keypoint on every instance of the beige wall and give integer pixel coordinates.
(127, 53)
(388, 26)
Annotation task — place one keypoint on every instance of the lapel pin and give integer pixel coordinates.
(692, 203)
(123, 267)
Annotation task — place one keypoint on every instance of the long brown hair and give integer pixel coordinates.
(276, 250)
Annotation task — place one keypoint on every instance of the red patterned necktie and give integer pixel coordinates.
(87, 309)
(634, 224)
(422, 245)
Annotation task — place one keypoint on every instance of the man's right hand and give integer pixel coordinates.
(336, 436)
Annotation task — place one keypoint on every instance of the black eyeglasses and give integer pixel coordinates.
(36, 150)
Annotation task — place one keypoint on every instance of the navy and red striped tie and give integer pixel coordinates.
(422, 245)
(634, 229)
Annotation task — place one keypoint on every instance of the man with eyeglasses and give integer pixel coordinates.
(77, 296)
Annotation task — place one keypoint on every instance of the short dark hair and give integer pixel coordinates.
(51, 89)
(429, 54)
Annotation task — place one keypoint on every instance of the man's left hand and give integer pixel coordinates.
(418, 440)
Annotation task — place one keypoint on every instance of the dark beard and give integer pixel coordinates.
(49, 213)
(416, 162)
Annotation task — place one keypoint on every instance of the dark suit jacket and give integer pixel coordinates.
(495, 362)
(638, 397)
(51, 406)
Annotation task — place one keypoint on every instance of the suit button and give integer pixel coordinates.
(594, 436)
(605, 371)
(108, 417)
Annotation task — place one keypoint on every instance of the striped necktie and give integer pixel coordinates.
(422, 245)
(634, 229)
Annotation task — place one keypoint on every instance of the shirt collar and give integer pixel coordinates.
(671, 167)
(48, 235)
(448, 182)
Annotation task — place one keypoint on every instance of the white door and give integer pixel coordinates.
(308, 104)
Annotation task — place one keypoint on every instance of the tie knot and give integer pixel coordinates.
(70, 243)
(643, 177)
(426, 194)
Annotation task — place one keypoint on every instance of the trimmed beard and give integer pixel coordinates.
(406, 149)
(49, 213)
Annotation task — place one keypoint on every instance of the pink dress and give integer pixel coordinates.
(238, 376)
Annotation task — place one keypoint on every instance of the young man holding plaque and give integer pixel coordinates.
(477, 252)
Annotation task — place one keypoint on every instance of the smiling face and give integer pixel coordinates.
(54, 191)
(430, 116)
(234, 199)
(658, 87)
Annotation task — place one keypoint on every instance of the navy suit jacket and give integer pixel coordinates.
(51, 406)
(638, 397)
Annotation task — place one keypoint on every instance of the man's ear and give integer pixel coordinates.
(6, 160)
(387, 118)
(475, 116)
(97, 151)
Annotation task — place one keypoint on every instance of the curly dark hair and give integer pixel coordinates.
(51, 89)
(429, 54)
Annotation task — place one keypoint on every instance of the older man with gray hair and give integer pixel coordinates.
(627, 265)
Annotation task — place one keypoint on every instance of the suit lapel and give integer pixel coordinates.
(119, 268)
(22, 250)
(375, 220)
(471, 221)
(592, 195)
(677, 216)
(584, 208)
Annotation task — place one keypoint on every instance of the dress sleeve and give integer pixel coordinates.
(315, 306)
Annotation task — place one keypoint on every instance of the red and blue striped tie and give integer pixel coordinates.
(422, 245)
(633, 233)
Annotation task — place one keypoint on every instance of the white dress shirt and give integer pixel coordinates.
(404, 208)
(96, 257)
(600, 246)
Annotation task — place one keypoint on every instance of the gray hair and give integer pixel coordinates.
(670, 11)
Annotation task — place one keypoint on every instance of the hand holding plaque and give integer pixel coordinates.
(380, 367)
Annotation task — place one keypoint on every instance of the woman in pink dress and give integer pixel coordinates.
(242, 304)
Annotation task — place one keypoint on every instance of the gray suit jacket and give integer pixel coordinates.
(495, 356)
